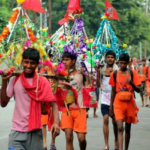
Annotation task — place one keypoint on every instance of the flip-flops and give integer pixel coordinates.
(116, 147)
(106, 148)
(146, 105)
(53, 147)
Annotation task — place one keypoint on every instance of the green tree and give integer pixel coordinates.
(132, 28)
(5, 13)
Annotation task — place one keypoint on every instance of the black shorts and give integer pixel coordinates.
(105, 109)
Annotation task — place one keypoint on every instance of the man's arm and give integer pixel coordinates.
(55, 127)
(98, 78)
(136, 88)
(55, 112)
(113, 94)
(4, 98)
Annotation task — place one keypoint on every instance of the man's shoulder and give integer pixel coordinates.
(43, 79)
(78, 74)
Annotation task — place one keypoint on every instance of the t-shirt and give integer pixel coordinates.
(148, 72)
(121, 84)
(106, 91)
(22, 104)
(106, 88)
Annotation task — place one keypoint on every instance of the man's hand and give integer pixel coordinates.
(6, 77)
(55, 129)
(111, 112)
(98, 68)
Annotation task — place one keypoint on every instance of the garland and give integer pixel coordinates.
(106, 40)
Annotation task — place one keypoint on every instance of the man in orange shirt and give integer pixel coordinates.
(142, 74)
(122, 105)
(148, 83)
(44, 117)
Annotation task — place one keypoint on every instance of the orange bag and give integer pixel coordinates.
(125, 96)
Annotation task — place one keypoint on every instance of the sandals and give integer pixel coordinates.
(53, 147)
(116, 147)
(106, 148)
(146, 105)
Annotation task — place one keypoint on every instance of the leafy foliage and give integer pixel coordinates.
(132, 28)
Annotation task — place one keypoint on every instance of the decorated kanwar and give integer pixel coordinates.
(74, 75)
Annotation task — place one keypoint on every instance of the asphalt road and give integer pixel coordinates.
(140, 137)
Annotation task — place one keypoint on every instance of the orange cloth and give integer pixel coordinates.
(143, 75)
(77, 121)
(44, 119)
(148, 72)
(126, 111)
(148, 81)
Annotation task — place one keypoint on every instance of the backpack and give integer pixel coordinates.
(115, 74)
(130, 72)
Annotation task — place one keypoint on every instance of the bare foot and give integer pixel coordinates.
(95, 116)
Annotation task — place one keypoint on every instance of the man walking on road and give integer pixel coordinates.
(29, 90)
(75, 120)
(124, 82)
(103, 76)
(142, 73)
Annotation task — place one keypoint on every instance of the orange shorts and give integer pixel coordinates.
(125, 110)
(44, 119)
(77, 121)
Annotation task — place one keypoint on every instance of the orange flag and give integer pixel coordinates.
(111, 11)
(34, 5)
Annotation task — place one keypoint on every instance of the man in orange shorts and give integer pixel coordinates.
(44, 116)
(142, 74)
(148, 83)
(75, 118)
(124, 82)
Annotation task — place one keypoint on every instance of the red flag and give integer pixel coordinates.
(74, 6)
(62, 21)
(66, 18)
(111, 11)
(34, 5)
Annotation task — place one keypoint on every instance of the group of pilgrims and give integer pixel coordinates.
(37, 104)
(44, 99)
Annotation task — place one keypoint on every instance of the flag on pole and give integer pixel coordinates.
(111, 11)
(74, 6)
(34, 5)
